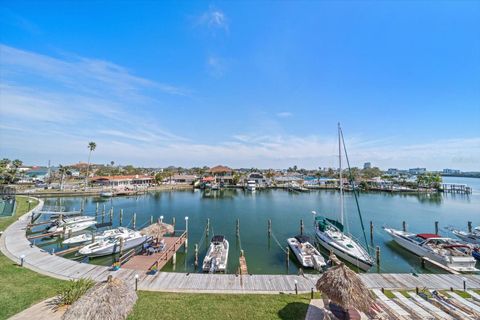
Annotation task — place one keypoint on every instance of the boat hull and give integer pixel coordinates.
(326, 241)
(114, 248)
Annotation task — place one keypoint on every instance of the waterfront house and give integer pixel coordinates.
(129, 180)
(184, 179)
(259, 178)
(222, 174)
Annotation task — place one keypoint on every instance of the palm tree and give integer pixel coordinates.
(63, 171)
(91, 146)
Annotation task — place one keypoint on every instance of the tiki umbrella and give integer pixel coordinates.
(157, 230)
(109, 300)
(343, 287)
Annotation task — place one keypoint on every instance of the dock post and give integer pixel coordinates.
(238, 228)
(96, 210)
(111, 215)
(436, 227)
(186, 234)
(301, 227)
(134, 220)
(207, 229)
(371, 231)
(173, 223)
(423, 263)
(151, 219)
(469, 226)
(377, 254)
(69, 233)
(269, 227)
(121, 217)
(121, 245)
(174, 258)
(287, 256)
(311, 293)
(196, 256)
(404, 226)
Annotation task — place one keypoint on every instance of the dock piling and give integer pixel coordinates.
(196, 256)
(469, 224)
(436, 227)
(207, 229)
(269, 227)
(173, 222)
(287, 256)
(301, 227)
(121, 245)
(134, 220)
(238, 228)
(404, 226)
(96, 210)
(121, 217)
(111, 215)
(377, 254)
(151, 219)
(371, 231)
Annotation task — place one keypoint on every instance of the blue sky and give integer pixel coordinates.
(246, 84)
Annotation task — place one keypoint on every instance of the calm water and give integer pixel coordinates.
(285, 210)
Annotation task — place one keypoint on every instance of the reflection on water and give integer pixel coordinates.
(285, 210)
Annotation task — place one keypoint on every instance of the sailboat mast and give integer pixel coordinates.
(340, 169)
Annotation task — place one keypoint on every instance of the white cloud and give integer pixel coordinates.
(284, 114)
(216, 66)
(214, 19)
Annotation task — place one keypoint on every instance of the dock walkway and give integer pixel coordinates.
(144, 262)
(14, 244)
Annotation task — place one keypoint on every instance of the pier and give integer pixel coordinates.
(456, 188)
(156, 261)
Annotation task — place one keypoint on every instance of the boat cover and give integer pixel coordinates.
(323, 222)
(218, 238)
(427, 235)
(302, 239)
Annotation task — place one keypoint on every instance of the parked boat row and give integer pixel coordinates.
(71, 225)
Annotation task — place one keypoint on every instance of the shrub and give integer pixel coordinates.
(73, 290)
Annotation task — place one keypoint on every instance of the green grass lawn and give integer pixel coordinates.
(20, 287)
(159, 305)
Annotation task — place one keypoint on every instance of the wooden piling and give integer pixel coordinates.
(174, 258)
(238, 228)
(96, 210)
(269, 228)
(121, 245)
(436, 227)
(371, 231)
(301, 226)
(173, 223)
(111, 215)
(151, 219)
(207, 229)
(287, 256)
(134, 220)
(469, 224)
(377, 254)
(404, 226)
(121, 217)
(196, 256)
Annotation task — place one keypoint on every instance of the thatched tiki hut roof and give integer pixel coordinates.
(157, 230)
(343, 287)
(109, 300)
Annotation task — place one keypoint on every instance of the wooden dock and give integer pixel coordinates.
(145, 262)
(14, 244)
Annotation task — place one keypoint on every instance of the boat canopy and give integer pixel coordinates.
(218, 238)
(302, 238)
(427, 235)
(324, 222)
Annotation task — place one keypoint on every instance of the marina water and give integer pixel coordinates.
(264, 255)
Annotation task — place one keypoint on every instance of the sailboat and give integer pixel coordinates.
(330, 233)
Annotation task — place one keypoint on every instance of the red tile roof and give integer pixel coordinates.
(220, 169)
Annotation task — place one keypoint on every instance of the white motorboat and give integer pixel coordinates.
(330, 233)
(73, 224)
(111, 245)
(88, 237)
(306, 253)
(106, 194)
(470, 237)
(446, 251)
(251, 185)
(217, 255)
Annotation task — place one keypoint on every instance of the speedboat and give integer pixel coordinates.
(111, 245)
(73, 224)
(330, 235)
(106, 194)
(470, 237)
(217, 255)
(306, 253)
(88, 237)
(446, 251)
(251, 185)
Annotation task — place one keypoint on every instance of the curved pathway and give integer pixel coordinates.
(13, 243)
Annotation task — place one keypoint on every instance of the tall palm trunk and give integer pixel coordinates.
(88, 169)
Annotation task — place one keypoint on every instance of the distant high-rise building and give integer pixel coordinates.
(417, 170)
(392, 171)
(367, 165)
(451, 171)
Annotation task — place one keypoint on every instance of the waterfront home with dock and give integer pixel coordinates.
(128, 180)
(222, 174)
